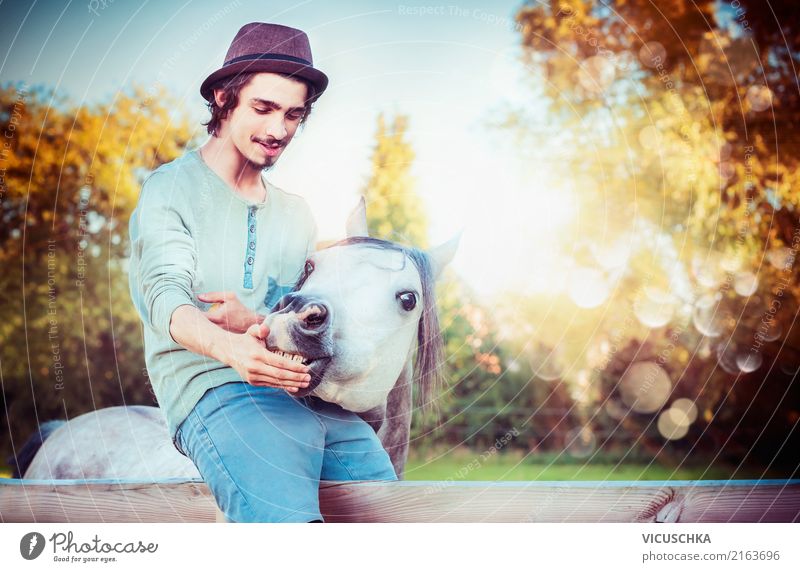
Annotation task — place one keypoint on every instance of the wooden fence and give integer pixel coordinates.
(179, 500)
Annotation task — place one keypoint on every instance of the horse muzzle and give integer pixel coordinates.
(311, 315)
(300, 330)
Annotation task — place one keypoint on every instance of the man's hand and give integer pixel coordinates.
(228, 312)
(248, 355)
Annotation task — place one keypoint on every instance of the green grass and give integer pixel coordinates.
(465, 465)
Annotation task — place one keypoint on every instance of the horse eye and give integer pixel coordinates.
(408, 300)
(309, 267)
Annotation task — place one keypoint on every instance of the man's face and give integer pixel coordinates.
(266, 118)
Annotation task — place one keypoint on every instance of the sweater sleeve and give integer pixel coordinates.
(163, 254)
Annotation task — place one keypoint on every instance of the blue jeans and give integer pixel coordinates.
(262, 452)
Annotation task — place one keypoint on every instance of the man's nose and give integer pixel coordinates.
(276, 126)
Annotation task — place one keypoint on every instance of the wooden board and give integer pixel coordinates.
(179, 500)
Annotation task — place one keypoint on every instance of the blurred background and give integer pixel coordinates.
(623, 303)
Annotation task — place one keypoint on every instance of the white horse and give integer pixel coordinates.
(353, 316)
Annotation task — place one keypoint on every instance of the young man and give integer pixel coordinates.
(209, 228)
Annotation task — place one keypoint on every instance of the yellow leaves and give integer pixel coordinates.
(60, 149)
(394, 210)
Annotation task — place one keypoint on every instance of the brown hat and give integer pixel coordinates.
(260, 47)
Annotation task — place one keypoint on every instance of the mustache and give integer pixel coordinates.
(269, 142)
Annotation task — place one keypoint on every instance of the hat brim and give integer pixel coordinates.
(318, 79)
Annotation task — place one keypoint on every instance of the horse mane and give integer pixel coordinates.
(430, 348)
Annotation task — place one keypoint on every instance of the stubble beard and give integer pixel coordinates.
(259, 164)
(262, 165)
(256, 166)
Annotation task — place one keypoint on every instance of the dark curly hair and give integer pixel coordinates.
(232, 86)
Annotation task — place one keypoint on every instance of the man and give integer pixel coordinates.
(209, 228)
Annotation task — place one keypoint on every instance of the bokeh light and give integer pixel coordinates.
(673, 424)
(645, 387)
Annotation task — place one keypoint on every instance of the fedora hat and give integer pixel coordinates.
(260, 47)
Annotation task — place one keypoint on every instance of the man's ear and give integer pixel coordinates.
(219, 97)
(357, 221)
(440, 256)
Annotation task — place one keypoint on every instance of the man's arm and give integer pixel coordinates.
(163, 253)
(193, 330)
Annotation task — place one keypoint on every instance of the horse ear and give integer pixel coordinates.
(440, 256)
(357, 221)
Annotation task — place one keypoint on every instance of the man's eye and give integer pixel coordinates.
(407, 300)
(294, 117)
(262, 110)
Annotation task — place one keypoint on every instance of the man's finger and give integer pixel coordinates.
(215, 296)
(286, 377)
(290, 369)
(288, 364)
(275, 376)
(260, 331)
(259, 383)
(263, 330)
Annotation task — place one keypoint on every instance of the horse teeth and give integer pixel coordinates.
(291, 356)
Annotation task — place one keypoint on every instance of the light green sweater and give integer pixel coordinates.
(191, 233)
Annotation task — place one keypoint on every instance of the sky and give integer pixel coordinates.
(451, 68)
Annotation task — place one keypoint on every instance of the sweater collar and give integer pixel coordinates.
(211, 175)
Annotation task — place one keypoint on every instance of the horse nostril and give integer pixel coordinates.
(313, 315)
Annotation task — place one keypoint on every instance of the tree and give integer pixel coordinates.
(394, 211)
(678, 120)
(675, 107)
(71, 175)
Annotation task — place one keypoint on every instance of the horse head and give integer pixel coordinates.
(355, 313)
